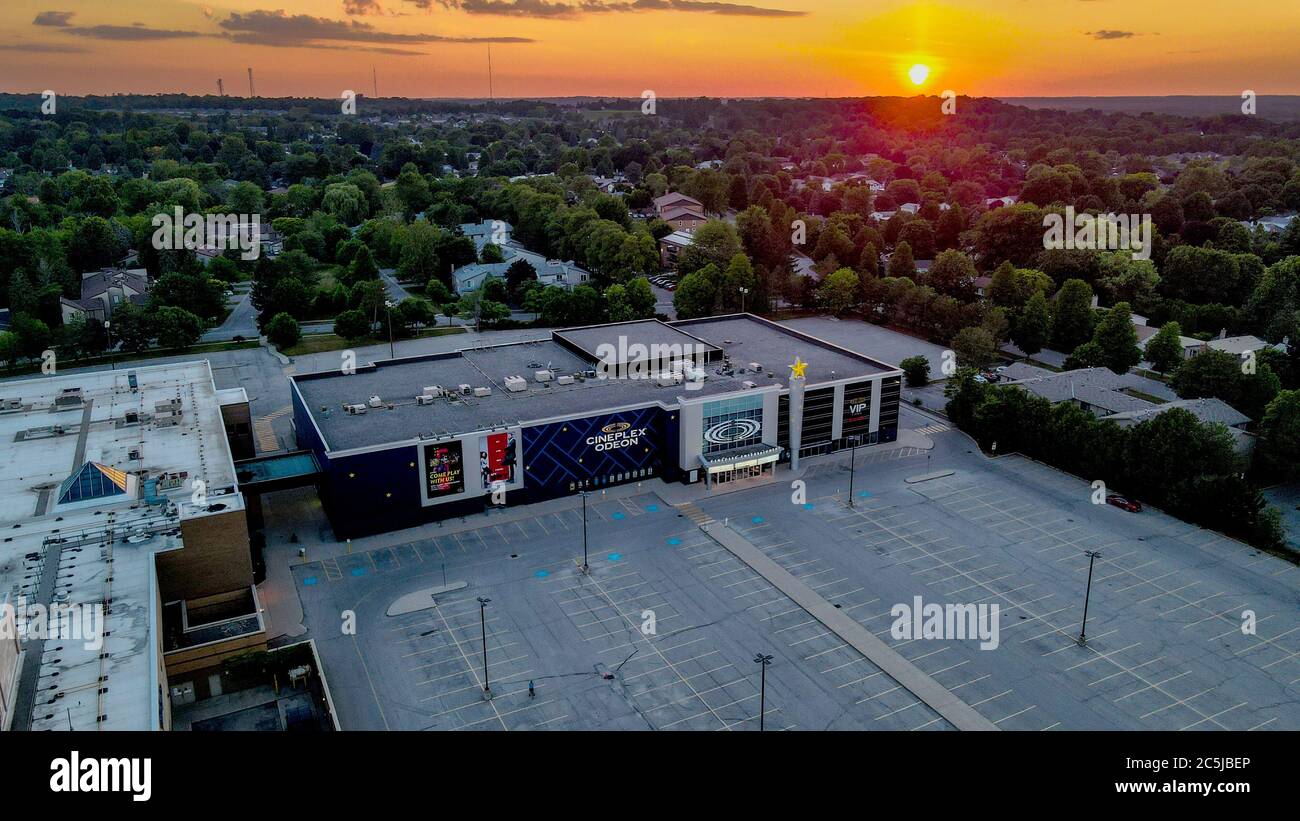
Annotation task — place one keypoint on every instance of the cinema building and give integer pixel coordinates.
(405, 441)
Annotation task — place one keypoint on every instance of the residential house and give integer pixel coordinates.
(674, 199)
(1210, 410)
(563, 273)
(671, 246)
(102, 291)
(683, 218)
(497, 232)
(1097, 390)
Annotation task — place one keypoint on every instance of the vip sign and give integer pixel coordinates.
(616, 435)
(856, 408)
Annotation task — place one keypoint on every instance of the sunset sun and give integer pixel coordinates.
(918, 73)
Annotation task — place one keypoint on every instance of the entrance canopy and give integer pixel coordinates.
(742, 457)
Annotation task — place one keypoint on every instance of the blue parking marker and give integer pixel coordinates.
(617, 516)
(674, 541)
(613, 557)
(358, 571)
(541, 574)
(808, 506)
(758, 520)
(310, 581)
(652, 508)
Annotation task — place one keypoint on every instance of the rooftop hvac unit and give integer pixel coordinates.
(465, 390)
(669, 378)
(375, 402)
(515, 384)
(424, 399)
(434, 390)
(564, 380)
(543, 376)
(754, 366)
(748, 383)
(481, 392)
(355, 409)
(590, 373)
(11, 404)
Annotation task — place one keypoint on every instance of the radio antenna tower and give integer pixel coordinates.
(221, 89)
(490, 96)
(250, 82)
(374, 75)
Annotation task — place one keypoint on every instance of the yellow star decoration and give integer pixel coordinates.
(798, 368)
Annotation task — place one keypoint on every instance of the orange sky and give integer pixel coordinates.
(673, 47)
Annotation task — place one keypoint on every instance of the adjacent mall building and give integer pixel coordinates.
(405, 441)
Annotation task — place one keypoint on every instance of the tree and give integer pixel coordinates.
(974, 347)
(1032, 326)
(901, 263)
(352, 325)
(697, 292)
(1277, 453)
(283, 331)
(176, 327)
(412, 191)
(419, 257)
(362, 268)
(132, 327)
(715, 242)
(839, 292)
(917, 371)
(1165, 350)
(954, 274)
(1116, 339)
(345, 202)
(640, 298)
(1072, 318)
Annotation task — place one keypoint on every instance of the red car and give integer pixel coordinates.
(1131, 505)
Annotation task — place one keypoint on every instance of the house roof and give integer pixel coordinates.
(681, 212)
(1237, 344)
(672, 198)
(1205, 410)
(1098, 387)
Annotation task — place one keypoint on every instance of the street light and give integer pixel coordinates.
(482, 618)
(743, 292)
(108, 328)
(1092, 555)
(388, 303)
(853, 464)
(585, 568)
(762, 661)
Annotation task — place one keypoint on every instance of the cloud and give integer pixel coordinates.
(360, 8)
(53, 18)
(276, 28)
(1110, 34)
(550, 9)
(139, 31)
(42, 48)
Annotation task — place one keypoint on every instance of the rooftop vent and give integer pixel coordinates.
(515, 384)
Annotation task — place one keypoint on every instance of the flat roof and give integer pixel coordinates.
(51, 426)
(174, 426)
(621, 337)
(743, 338)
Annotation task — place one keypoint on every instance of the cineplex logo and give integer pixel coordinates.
(953, 622)
(126, 775)
(616, 435)
(61, 622)
(214, 232)
(670, 364)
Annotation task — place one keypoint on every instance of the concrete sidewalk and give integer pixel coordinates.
(957, 712)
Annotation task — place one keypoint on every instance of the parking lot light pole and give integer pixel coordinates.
(1092, 555)
(585, 568)
(853, 465)
(762, 661)
(482, 617)
(388, 303)
(743, 292)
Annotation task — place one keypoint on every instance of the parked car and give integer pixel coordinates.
(1124, 503)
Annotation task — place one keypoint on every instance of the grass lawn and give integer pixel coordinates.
(316, 343)
(157, 353)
